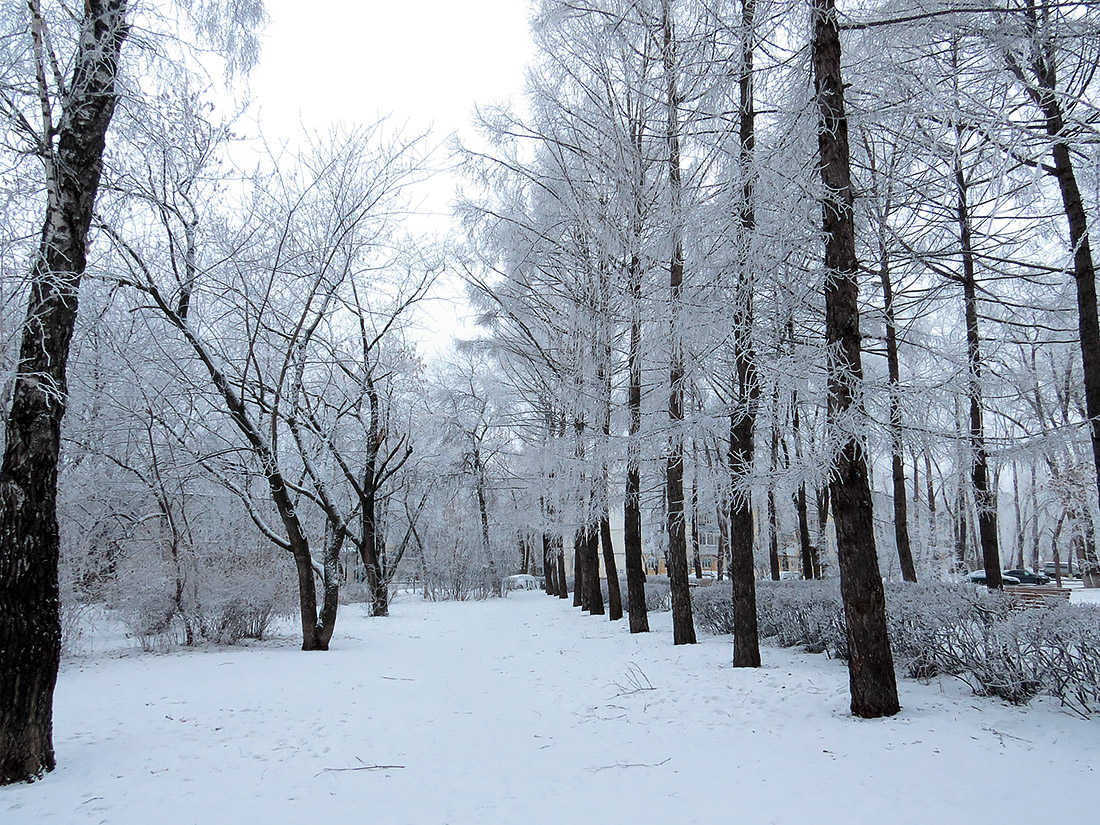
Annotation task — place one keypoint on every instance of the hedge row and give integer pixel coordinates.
(937, 628)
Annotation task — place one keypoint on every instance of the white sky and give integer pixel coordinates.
(424, 62)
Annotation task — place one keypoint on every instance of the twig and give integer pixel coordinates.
(634, 681)
(361, 767)
(633, 765)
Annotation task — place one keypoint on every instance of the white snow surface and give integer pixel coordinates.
(525, 710)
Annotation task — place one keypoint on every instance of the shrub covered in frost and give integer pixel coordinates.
(148, 615)
(658, 598)
(939, 629)
(216, 598)
(806, 614)
(239, 613)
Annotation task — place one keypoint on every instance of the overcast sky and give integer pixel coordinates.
(425, 62)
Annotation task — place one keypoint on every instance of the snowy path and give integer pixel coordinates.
(525, 711)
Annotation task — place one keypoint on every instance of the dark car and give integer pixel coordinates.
(1027, 577)
(978, 577)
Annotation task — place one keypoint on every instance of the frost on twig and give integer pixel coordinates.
(634, 681)
(362, 766)
(632, 765)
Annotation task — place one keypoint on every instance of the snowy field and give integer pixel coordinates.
(524, 710)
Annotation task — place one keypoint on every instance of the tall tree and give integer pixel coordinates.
(71, 139)
(745, 385)
(883, 204)
(1050, 34)
(871, 675)
(683, 628)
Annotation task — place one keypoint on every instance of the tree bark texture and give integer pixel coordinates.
(696, 555)
(901, 509)
(742, 566)
(495, 581)
(1043, 87)
(580, 589)
(614, 596)
(632, 511)
(683, 628)
(30, 624)
(549, 569)
(801, 506)
(871, 667)
(773, 517)
(591, 550)
(559, 553)
(984, 495)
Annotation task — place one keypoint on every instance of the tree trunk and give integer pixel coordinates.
(1050, 103)
(632, 511)
(742, 567)
(580, 589)
(632, 514)
(683, 628)
(614, 596)
(960, 530)
(1017, 509)
(1035, 534)
(632, 541)
(930, 494)
(370, 551)
(559, 553)
(30, 624)
(696, 555)
(495, 582)
(871, 667)
(801, 506)
(773, 517)
(773, 538)
(330, 594)
(592, 569)
(821, 496)
(549, 569)
(723, 539)
(985, 498)
(371, 540)
(897, 456)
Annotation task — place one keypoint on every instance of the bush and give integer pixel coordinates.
(658, 595)
(236, 616)
(148, 617)
(76, 622)
(807, 614)
(712, 608)
(939, 629)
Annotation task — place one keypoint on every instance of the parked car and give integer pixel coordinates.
(1027, 577)
(1051, 569)
(978, 577)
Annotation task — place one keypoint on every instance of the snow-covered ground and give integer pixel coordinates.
(524, 710)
